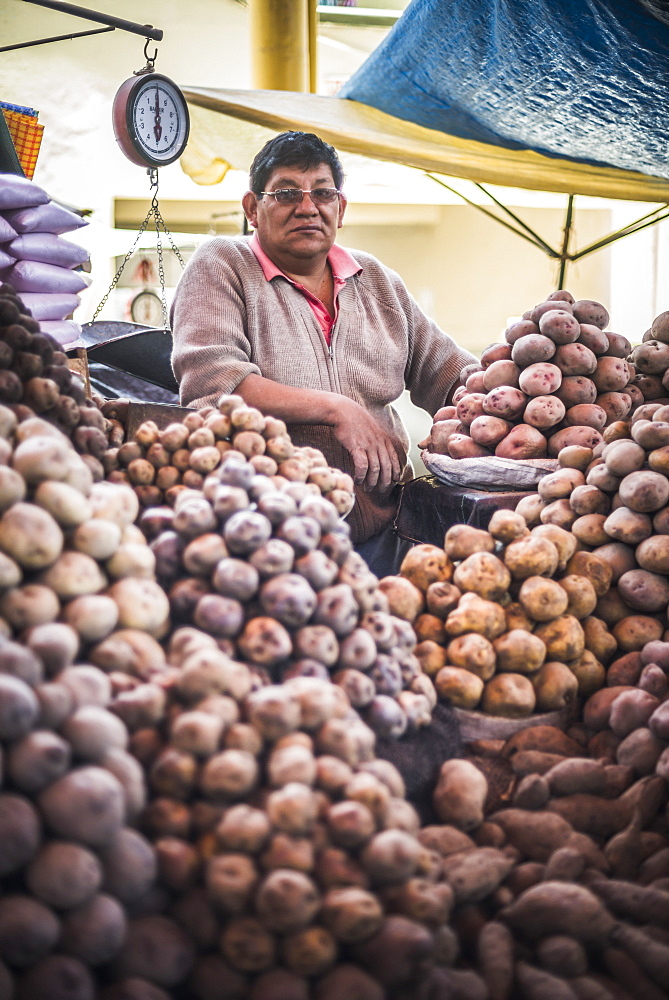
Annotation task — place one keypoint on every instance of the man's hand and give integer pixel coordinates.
(378, 458)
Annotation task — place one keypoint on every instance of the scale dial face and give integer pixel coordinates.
(147, 308)
(151, 120)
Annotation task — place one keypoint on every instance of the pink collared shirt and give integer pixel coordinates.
(343, 266)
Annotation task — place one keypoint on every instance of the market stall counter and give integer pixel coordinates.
(428, 507)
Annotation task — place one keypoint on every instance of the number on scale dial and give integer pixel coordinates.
(151, 120)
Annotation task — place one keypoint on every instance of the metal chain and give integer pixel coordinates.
(155, 214)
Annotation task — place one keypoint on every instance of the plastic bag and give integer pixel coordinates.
(44, 219)
(47, 248)
(33, 276)
(19, 192)
(7, 232)
(489, 473)
(49, 305)
(5, 260)
(65, 332)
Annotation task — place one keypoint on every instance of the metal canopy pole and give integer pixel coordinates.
(145, 30)
(55, 38)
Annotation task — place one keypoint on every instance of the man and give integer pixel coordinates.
(323, 338)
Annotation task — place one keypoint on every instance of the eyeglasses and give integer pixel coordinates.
(293, 196)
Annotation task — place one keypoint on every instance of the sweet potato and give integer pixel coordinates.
(560, 908)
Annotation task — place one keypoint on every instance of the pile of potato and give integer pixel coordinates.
(557, 379)
(160, 463)
(267, 568)
(505, 617)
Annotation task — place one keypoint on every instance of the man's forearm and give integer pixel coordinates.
(288, 403)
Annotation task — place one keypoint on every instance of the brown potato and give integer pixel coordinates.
(581, 595)
(559, 484)
(644, 491)
(474, 614)
(563, 637)
(426, 564)
(519, 652)
(589, 529)
(510, 695)
(623, 456)
(458, 687)
(563, 540)
(507, 525)
(530, 508)
(555, 686)
(484, 574)
(632, 632)
(590, 674)
(644, 591)
(531, 556)
(474, 652)
(542, 599)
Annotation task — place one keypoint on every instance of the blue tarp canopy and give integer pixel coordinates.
(551, 95)
(586, 80)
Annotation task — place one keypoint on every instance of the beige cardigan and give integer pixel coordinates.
(228, 322)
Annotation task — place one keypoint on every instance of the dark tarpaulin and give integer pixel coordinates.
(586, 80)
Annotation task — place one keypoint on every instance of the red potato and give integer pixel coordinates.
(500, 373)
(522, 328)
(590, 311)
(540, 379)
(475, 383)
(470, 407)
(462, 446)
(544, 411)
(587, 415)
(531, 349)
(458, 394)
(616, 405)
(560, 326)
(619, 346)
(575, 359)
(444, 413)
(593, 338)
(440, 435)
(576, 389)
(651, 358)
(586, 437)
(495, 352)
(522, 441)
(612, 374)
(488, 431)
(549, 305)
(505, 401)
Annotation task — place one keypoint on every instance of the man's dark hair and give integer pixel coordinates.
(293, 149)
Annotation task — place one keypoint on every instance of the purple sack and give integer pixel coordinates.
(49, 218)
(33, 276)
(49, 305)
(19, 192)
(65, 332)
(6, 260)
(7, 232)
(47, 248)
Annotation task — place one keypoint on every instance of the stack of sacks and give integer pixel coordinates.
(34, 257)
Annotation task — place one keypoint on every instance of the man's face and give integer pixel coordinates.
(304, 230)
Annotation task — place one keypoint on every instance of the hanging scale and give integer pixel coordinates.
(151, 125)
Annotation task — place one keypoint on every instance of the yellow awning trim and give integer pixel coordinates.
(357, 128)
